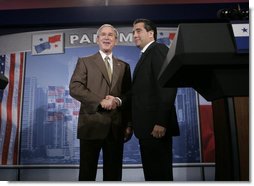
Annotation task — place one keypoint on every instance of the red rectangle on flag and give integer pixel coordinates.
(54, 38)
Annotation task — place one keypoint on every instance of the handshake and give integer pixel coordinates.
(110, 102)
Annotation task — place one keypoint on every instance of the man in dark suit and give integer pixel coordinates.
(153, 111)
(100, 83)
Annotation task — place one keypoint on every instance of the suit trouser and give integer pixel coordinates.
(156, 155)
(112, 159)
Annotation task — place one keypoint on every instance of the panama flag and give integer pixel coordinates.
(241, 33)
(166, 35)
(51, 43)
(12, 66)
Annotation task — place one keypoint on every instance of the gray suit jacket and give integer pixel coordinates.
(90, 84)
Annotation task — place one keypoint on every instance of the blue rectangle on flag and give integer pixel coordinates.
(41, 47)
(242, 44)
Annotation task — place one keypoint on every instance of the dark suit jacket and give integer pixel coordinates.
(90, 84)
(152, 104)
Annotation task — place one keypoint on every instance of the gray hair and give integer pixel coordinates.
(107, 25)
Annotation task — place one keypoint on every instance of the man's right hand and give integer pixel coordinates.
(109, 103)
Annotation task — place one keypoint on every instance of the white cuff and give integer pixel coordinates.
(120, 101)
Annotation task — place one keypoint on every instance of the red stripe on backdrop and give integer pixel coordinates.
(207, 133)
(15, 154)
(9, 112)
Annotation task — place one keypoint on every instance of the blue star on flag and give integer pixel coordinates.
(245, 29)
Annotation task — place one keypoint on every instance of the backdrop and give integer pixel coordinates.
(39, 118)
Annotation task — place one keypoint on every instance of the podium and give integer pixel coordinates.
(3, 82)
(204, 56)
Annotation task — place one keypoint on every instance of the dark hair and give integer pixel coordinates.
(149, 25)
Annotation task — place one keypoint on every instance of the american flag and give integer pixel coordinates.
(12, 66)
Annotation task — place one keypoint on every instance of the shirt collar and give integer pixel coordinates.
(103, 55)
(147, 45)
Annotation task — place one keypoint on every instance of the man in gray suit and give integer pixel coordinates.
(100, 82)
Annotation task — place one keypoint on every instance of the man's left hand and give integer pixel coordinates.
(158, 131)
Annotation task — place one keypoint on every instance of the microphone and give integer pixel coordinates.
(233, 14)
